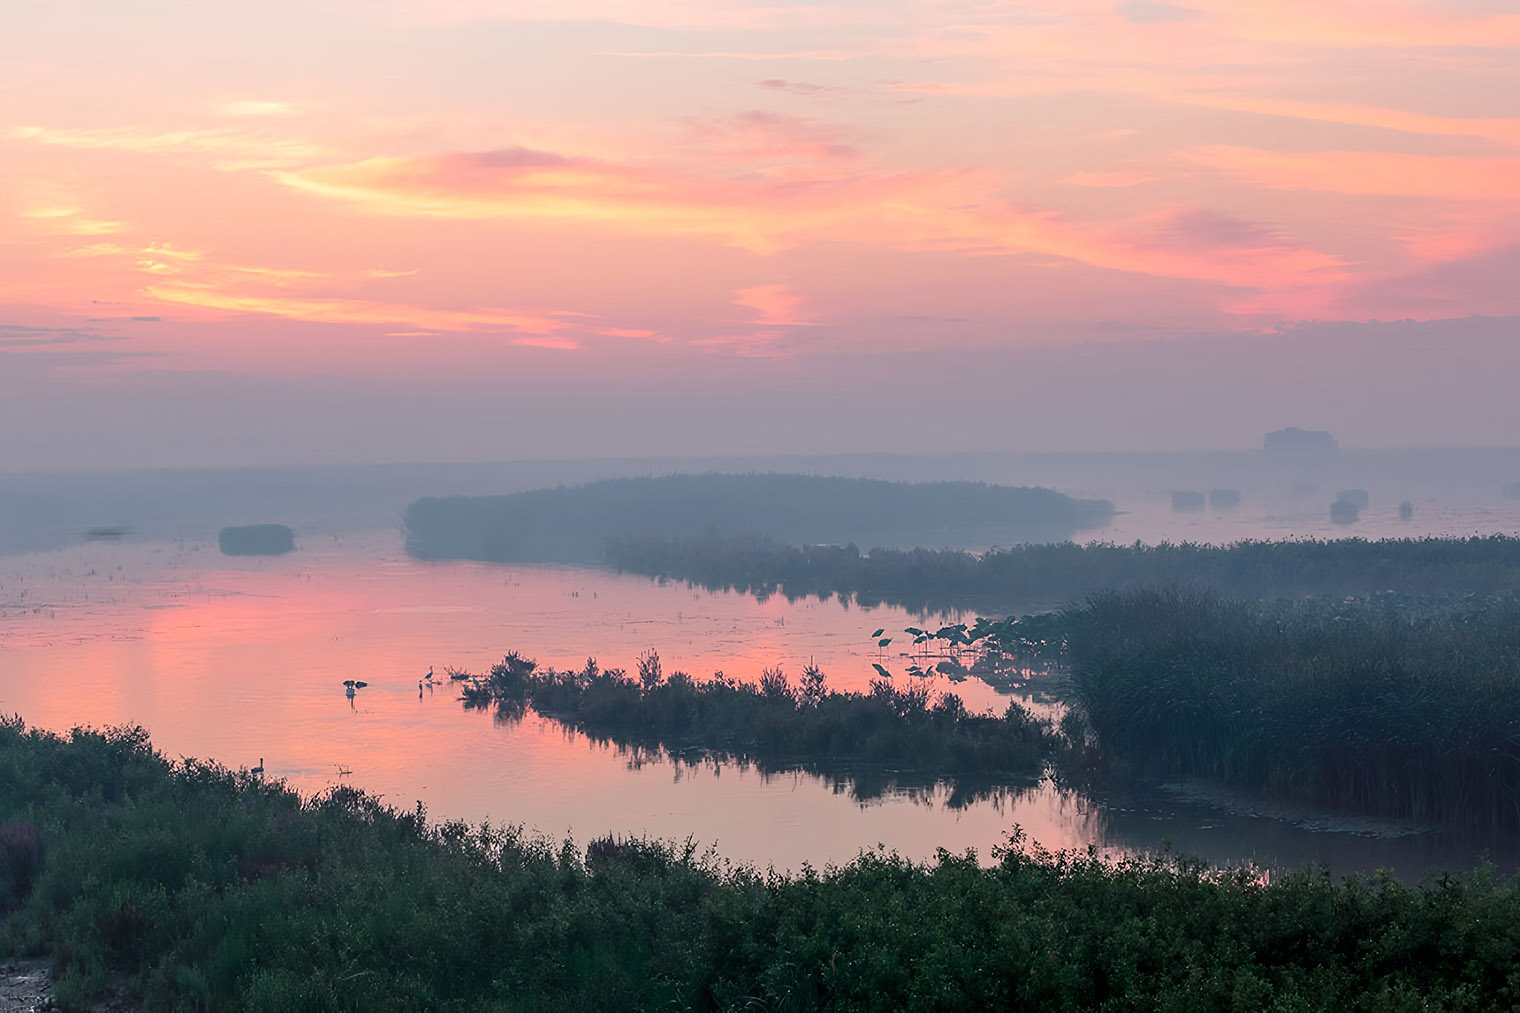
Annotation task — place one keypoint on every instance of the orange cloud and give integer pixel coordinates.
(952, 210)
(556, 344)
(244, 150)
(355, 311)
(631, 332)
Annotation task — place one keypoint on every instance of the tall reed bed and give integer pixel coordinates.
(1401, 707)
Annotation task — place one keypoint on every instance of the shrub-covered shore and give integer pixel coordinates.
(191, 887)
(1054, 574)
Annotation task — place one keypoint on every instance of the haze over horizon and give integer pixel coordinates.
(455, 230)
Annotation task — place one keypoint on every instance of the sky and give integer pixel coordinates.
(370, 230)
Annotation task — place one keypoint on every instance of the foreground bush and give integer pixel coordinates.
(194, 887)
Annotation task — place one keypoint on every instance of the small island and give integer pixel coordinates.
(1186, 501)
(1224, 499)
(1295, 439)
(257, 540)
(572, 524)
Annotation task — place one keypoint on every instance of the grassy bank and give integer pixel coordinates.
(194, 887)
(1058, 573)
(890, 732)
(1404, 708)
(572, 524)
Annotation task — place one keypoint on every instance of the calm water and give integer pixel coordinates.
(241, 660)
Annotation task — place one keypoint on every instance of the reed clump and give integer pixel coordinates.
(1391, 705)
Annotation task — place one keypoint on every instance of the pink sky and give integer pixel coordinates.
(339, 214)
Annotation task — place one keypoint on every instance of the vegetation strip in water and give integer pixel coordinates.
(572, 524)
(191, 886)
(778, 725)
(1057, 573)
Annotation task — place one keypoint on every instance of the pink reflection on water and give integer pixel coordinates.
(243, 659)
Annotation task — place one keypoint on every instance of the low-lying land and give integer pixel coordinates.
(191, 886)
(572, 524)
(887, 734)
(1054, 574)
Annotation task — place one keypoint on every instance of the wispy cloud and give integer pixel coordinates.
(356, 311)
(17, 336)
(234, 149)
(777, 84)
(1155, 12)
(554, 344)
(777, 305)
(1364, 173)
(760, 136)
(951, 211)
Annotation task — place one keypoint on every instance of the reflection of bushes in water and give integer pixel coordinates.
(1399, 707)
(876, 741)
(934, 579)
(241, 894)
